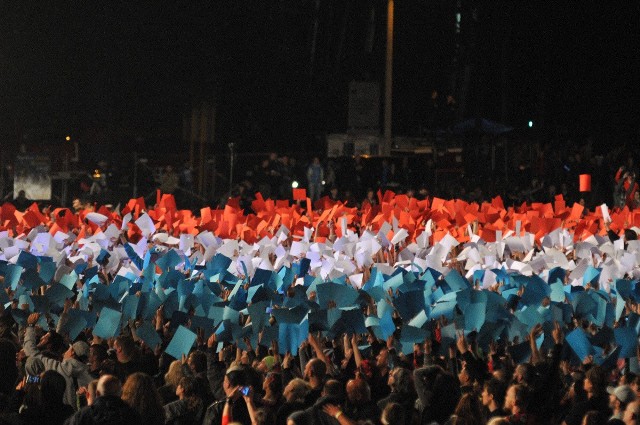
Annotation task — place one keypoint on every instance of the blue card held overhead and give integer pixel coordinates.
(409, 336)
(31, 279)
(291, 335)
(354, 321)
(147, 333)
(342, 295)
(456, 281)
(219, 263)
(130, 307)
(623, 287)
(579, 343)
(169, 261)
(47, 270)
(591, 275)
(259, 317)
(12, 276)
(387, 327)
(58, 293)
(394, 282)
(627, 339)
(69, 280)
(27, 260)
(294, 315)
(261, 276)
(181, 343)
(409, 304)
(108, 324)
(474, 316)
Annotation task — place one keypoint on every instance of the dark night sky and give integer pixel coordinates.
(70, 64)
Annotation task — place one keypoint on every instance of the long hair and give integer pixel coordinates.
(403, 382)
(468, 411)
(141, 394)
(190, 394)
(174, 374)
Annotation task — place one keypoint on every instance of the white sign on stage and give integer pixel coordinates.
(33, 175)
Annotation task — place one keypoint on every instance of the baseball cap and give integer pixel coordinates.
(81, 348)
(624, 393)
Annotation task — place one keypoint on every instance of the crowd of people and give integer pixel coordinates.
(141, 317)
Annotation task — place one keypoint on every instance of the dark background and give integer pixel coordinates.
(124, 67)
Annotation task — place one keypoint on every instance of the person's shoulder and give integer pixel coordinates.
(82, 416)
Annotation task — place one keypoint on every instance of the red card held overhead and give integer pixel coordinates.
(299, 194)
(585, 182)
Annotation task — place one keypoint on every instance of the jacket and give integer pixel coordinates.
(106, 410)
(75, 373)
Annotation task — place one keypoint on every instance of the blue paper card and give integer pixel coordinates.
(69, 280)
(147, 333)
(108, 324)
(474, 316)
(580, 344)
(47, 271)
(169, 261)
(342, 295)
(130, 307)
(456, 281)
(27, 260)
(181, 343)
(627, 339)
(58, 293)
(291, 335)
(12, 276)
(31, 279)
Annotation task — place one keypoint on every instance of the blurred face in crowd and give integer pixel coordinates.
(518, 374)
(191, 362)
(630, 416)
(307, 371)
(510, 399)
(244, 359)
(383, 358)
(288, 392)
(613, 401)
(267, 380)
(486, 397)
(588, 386)
(119, 353)
(392, 378)
(464, 377)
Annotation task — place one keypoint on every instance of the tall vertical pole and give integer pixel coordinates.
(386, 146)
(135, 174)
(204, 134)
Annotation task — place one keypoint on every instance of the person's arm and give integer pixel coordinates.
(338, 414)
(64, 317)
(357, 356)
(303, 355)
(288, 371)
(394, 359)
(547, 399)
(313, 342)
(535, 353)
(29, 345)
(215, 369)
(248, 399)
(133, 256)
